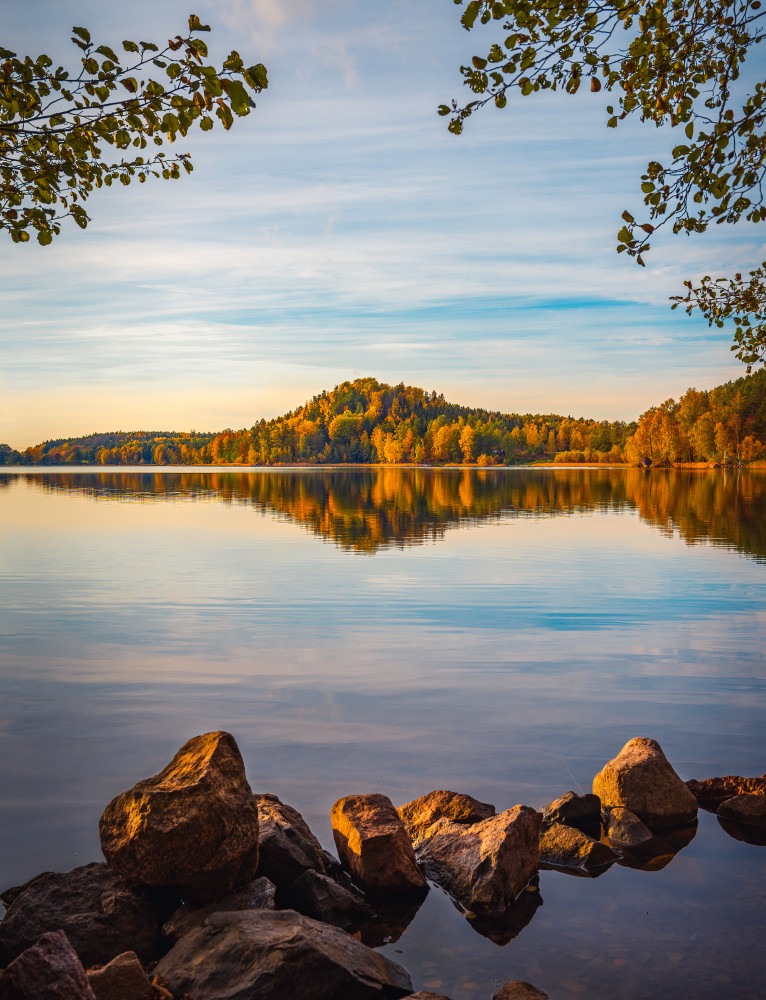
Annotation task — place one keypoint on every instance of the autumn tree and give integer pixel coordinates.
(65, 133)
(675, 62)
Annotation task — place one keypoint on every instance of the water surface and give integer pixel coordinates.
(499, 632)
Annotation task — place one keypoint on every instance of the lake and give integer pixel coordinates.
(501, 632)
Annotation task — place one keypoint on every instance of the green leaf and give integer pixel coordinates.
(130, 46)
(479, 62)
(83, 33)
(196, 25)
(44, 237)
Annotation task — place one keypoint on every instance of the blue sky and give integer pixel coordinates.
(341, 231)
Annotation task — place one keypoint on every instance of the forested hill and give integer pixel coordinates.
(368, 422)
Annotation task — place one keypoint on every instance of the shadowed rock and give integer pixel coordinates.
(288, 848)
(121, 979)
(640, 778)
(747, 809)
(624, 827)
(393, 915)
(320, 897)
(273, 955)
(486, 865)
(518, 990)
(504, 927)
(193, 826)
(256, 895)
(101, 913)
(711, 792)
(426, 995)
(567, 847)
(580, 811)
(423, 812)
(373, 845)
(48, 970)
(655, 854)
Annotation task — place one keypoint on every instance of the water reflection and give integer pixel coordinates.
(365, 510)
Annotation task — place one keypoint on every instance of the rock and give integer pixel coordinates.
(256, 895)
(318, 896)
(288, 848)
(486, 865)
(747, 809)
(193, 826)
(426, 995)
(421, 813)
(338, 874)
(640, 778)
(518, 990)
(393, 915)
(567, 847)
(656, 853)
(101, 913)
(743, 832)
(580, 811)
(624, 827)
(504, 927)
(711, 792)
(48, 970)
(121, 979)
(273, 954)
(373, 845)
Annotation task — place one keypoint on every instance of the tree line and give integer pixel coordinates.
(368, 422)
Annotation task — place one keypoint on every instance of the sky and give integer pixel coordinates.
(340, 231)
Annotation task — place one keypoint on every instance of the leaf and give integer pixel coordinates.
(479, 62)
(130, 46)
(259, 76)
(83, 33)
(196, 25)
(595, 84)
(44, 237)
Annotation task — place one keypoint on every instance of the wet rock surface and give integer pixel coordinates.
(48, 970)
(583, 812)
(320, 897)
(121, 979)
(288, 848)
(193, 826)
(516, 989)
(640, 778)
(747, 809)
(256, 895)
(374, 846)
(486, 865)
(710, 792)
(272, 955)
(564, 846)
(102, 914)
(624, 827)
(423, 812)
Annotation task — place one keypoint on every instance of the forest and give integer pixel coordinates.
(367, 422)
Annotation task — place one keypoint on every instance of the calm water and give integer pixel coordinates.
(499, 632)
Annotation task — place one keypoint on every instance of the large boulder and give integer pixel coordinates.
(48, 970)
(567, 847)
(423, 812)
(121, 979)
(271, 955)
(256, 895)
(101, 913)
(748, 809)
(486, 865)
(193, 826)
(711, 792)
(640, 778)
(318, 896)
(580, 811)
(287, 846)
(373, 845)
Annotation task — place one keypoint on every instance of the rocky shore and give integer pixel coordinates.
(211, 892)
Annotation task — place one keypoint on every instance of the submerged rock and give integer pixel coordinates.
(747, 809)
(193, 826)
(516, 989)
(423, 812)
(273, 955)
(486, 865)
(101, 913)
(256, 895)
(580, 811)
(121, 979)
(374, 846)
(288, 848)
(318, 896)
(567, 847)
(48, 970)
(711, 792)
(641, 779)
(624, 827)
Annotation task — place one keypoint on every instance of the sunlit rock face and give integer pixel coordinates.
(518, 990)
(121, 979)
(484, 866)
(275, 955)
(641, 778)
(624, 827)
(565, 846)
(580, 811)
(710, 792)
(374, 846)
(194, 826)
(48, 970)
(423, 812)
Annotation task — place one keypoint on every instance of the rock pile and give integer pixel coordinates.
(210, 891)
